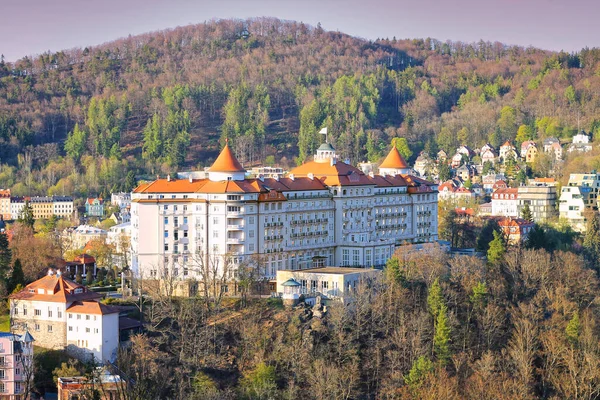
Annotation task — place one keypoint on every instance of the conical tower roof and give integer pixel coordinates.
(226, 162)
(394, 160)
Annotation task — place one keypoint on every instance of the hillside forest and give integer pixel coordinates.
(92, 120)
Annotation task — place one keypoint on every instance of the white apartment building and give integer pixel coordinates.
(579, 196)
(62, 206)
(325, 212)
(505, 202)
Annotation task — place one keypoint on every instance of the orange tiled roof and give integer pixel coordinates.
(54, 288)
(338, 174)
(520, 222)
(394, 160)
(226, 162)
(91, 307)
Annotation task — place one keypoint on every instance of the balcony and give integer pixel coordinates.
(231, 240)
(235, 227)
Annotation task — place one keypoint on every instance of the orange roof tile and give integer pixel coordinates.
(91, 307)
(338, 174)
(394, 160)
(226, 162)
(54, 288)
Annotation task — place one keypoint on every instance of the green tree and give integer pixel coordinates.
(479, 296)
(79, 277)
(525, 133)
(441, 337)
(17, 277)
(152, 147)
(435, 298)
(573, 329)
(75, 144)
(204, 386)
(444, 172)
(259, 383)
(421, 367)
(537, 238)
(526, 213)
(487, 235)
(5, 256)
(393, 271)
(495, 253)
(488, 168)
(26, 215)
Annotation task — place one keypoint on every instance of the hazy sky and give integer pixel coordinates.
(34, 26)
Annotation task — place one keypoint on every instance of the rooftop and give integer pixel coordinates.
(394, 160)
(226, 162)
(334, 270)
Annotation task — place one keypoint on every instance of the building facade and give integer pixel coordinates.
(541, 200)
(94, 207)
(65, 315)
(579, 196)
(325, 212)
(505, 202)
(16, 365)
(5, 212)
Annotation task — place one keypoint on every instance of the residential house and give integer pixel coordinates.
(77, 238)
(525, 146)
(442, 155)
(447, 189)
(424, 165)
(515, 230)
(465, 150)
(581, 143)
(457, 160)
(81, 264)
(488, 156)
(120, 237)
(508, 150)
(505, 202)
(531, 154)
(552, 145)
(17, 204)
(488, 181)
(485, 209)
(94, 207)
(65, 315)
(464, 172)
(16, 365)
(121, 199)
(487, 147)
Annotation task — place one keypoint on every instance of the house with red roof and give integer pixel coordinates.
(515, 230)
(62, 314)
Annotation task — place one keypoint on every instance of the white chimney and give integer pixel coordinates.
(169, 178)
(50, 272)
(58, 273)
(311, 176)
(190, 178)
(291, 176)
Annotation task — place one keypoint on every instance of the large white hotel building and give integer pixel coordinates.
(324, 212)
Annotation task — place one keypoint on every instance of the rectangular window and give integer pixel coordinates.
(78, 316)
(215, 234)
(70, 315)
(95, 330)
(36, 327)
(185, 234)
(87, 330)
(166, 233)
(59, 314)
(185, 220)
(50, 328)
(166, 220)
(70, 329)
(166, 247)
(175, 221)
(215, 221)
(37, 312)
(87, 317)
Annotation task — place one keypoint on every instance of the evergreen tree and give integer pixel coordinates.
(17, 276)
(421, 367)
(89, 275)
(130, 182)
(393, 271)
(441, 338)
(487, 235)
(537, 238)
(488, 168)
(435, 298)
(591, 241)
(5, 256)
(76, 143)
(78, 277)
(526, 213)
(403, 148)
(26, 216)
(495, 253)
(444, 172)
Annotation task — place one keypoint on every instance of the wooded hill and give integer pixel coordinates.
(77, 121)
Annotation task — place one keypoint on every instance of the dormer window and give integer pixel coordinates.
(40, 291)
(78, 290)
(31, 291)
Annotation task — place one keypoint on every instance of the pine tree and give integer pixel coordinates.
(497, 249)
(421, 367)
(78, 277)
(5, 256)
(487, 235)
(17, 276)
(435, 298)
(526, 213)
(76, 143)
(441, 338)
(393, 271)
(537, 238)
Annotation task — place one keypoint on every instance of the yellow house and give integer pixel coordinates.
(531, 154)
